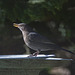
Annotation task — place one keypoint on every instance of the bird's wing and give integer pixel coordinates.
(33, 36)
(42, 42)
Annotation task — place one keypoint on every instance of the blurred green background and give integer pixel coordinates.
(54, 19)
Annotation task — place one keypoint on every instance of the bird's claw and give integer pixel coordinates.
(34, 54)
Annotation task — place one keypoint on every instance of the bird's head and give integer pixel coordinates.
(21, 26)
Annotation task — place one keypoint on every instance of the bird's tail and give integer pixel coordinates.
(68, 51)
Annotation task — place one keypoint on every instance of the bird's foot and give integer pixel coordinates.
(34, 54)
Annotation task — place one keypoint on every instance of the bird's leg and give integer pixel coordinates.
(36, 53)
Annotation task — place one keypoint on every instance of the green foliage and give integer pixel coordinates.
(42, 10)
(27, 11)
(36, 1)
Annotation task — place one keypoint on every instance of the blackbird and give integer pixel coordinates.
(36, 41)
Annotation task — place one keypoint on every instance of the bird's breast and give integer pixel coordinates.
(30, 44)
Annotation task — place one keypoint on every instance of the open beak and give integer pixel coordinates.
(15, 25)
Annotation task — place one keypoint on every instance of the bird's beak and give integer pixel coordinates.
(15, 25)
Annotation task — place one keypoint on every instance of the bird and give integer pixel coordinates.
(36, 41)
